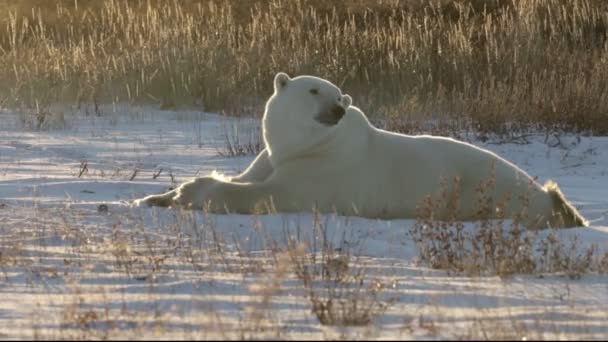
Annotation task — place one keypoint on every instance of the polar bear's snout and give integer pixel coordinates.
(338, 112)
(331, 116)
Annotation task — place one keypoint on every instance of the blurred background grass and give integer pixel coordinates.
(497, 65)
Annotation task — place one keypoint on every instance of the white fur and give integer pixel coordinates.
(288, 123)
(355, 168)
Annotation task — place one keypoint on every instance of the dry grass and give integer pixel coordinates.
(338, 288)
(499, 64)
(501, 246)
(513, 326)
(241, 139)
(127, 276)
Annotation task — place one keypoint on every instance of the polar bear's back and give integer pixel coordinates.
(422, 163)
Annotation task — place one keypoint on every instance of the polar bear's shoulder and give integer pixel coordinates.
(355, 119)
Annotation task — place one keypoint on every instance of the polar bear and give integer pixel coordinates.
(322, 153)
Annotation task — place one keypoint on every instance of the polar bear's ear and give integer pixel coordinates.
(280, 81)
(347, 100)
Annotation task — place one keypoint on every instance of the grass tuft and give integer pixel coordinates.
(497, 64)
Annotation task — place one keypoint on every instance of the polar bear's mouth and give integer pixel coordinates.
(331, 116)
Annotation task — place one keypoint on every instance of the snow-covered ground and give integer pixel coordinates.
(70, 269)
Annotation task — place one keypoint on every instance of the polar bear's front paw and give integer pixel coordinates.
(194, 194)
(138, 203)
(145, 202)
(162, 200)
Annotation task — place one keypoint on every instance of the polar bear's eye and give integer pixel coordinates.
(314, 91)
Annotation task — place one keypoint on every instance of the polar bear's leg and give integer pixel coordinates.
(258, 171)
(214, 195)
(162, 200)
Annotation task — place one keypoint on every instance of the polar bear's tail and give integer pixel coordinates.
(563, 211)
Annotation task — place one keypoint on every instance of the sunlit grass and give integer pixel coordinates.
(528, 62)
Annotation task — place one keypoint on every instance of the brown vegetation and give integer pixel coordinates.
(499, 64)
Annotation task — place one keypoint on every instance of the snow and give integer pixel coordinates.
(70, 270)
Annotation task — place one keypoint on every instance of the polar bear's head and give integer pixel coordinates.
(301, 111)
(308, 97)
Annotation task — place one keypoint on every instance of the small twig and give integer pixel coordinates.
(155, 175)
(518, 140)
(84, 167)
(172, 177)
(134, 174)
(576, 165)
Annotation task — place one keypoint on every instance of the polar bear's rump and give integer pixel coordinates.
(563, 210)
